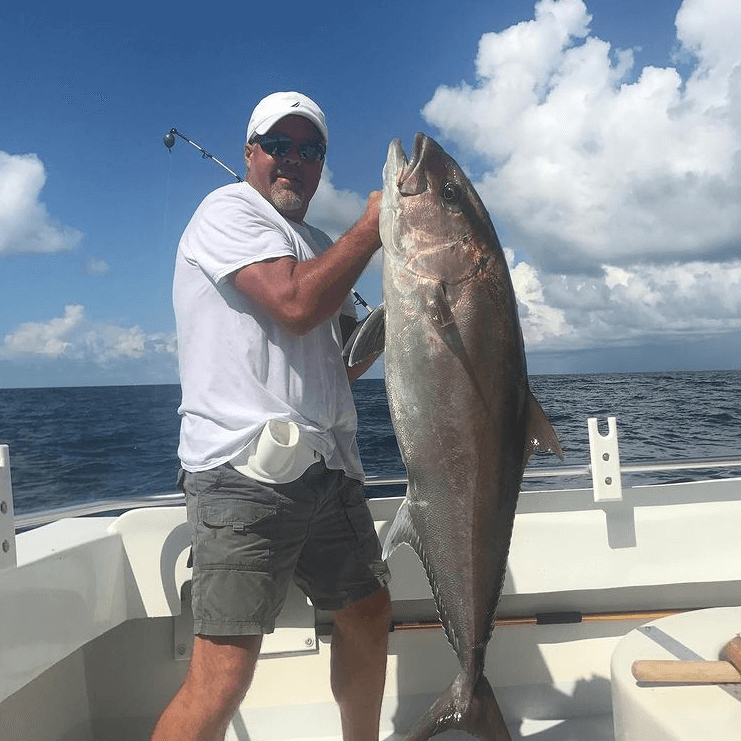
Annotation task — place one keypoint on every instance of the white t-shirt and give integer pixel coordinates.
(238, 368)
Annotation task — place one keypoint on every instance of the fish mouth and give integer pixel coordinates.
(401, 178)
(407, 176)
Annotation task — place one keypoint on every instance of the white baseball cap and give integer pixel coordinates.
(275, 106)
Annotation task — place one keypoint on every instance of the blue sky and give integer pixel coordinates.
(604, 137)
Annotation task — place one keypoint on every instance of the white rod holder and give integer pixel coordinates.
(7, 519)
(605, 461)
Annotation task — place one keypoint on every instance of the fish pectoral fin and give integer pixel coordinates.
(439, 308)
(401, 531)
(442, 319)
(368, 338)
(541, 437)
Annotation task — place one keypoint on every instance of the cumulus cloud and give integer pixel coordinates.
(34, 338)
(25, 225)
(627, 305)
(586, 159)
(74, 337)
(539, 320)
(96, 267)
(618, 187)
(334, 211)
(667, 299)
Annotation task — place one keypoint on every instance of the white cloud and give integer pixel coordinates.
(539, 321)
(50, 339)
(96, 267)
(628, 305)
(586, 160)
(620, 188)
(25, 225)
(335, 211)
(74, 337)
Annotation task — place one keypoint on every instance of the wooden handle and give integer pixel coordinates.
(694, 672)
(732, 651)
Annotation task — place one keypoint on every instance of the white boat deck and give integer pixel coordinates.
(95, 628)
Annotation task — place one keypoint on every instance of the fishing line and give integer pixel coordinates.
(166, 214)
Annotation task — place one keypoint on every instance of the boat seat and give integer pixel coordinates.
(156, 541)
(676, 711)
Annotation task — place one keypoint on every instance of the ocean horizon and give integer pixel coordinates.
(81, 443)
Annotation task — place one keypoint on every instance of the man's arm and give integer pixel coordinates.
(299, 296)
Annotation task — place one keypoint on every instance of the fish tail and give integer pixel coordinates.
(461, 707)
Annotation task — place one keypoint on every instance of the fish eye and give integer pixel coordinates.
(451, 194)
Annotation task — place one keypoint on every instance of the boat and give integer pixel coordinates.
(96, 629)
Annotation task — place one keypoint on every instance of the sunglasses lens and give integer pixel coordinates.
(279, 146)
(312, 151)
(273, 146)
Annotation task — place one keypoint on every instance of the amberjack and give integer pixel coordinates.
(464, 416)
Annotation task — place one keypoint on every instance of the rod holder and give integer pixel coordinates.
(8, 557)
(605, 456)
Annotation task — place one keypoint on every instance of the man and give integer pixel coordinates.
(272, 474)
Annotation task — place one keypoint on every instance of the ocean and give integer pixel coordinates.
(80, 444)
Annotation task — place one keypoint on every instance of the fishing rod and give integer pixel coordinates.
(169, 140)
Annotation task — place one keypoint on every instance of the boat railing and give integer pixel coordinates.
(605, 469)
(27, 520)
(36, 518)
(540, 472)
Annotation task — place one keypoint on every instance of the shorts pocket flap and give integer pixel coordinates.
(236, 514)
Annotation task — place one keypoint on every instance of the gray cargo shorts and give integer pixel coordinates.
(250, 539)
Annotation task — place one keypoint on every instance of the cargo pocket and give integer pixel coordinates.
(357, 513)
(237, 535)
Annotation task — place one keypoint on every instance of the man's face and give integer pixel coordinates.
(287, 182)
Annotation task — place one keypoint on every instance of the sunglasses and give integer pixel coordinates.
(279, 145)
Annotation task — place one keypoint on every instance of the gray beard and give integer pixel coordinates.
(286, 201)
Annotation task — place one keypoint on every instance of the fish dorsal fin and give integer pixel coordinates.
(541, 437)
(369, 337)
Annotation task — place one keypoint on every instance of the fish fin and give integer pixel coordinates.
(541, 437)
(443, 320)
(439, 307)
(369, 337)
(474, 710)
(401, 531)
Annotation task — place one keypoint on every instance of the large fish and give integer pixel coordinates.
(463, 413)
